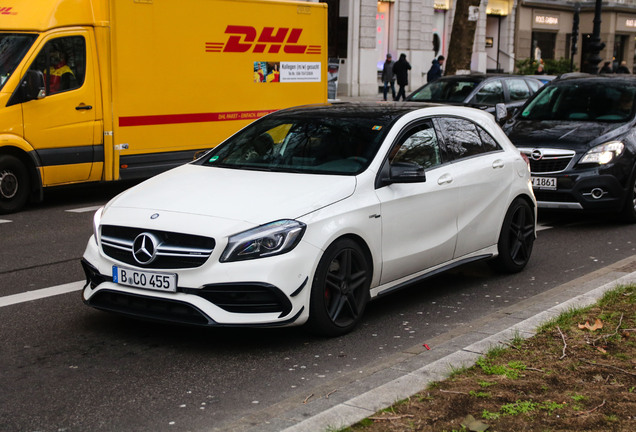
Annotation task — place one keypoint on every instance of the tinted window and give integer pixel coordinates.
(583, 101)
(534, 85)
(420, 146)
(328, 145)
(463, 138)
(445, 90)
(491, 93)
(63, 63)
(518, 90)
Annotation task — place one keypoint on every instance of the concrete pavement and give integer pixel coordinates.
(339, 404)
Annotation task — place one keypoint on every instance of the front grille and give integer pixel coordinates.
(544, 161)
(173, 250)
(149, 308)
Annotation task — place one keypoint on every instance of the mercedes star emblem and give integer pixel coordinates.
(145, 248)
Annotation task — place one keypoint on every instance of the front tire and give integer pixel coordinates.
(14, 184)
(516, 238)
(340, 289)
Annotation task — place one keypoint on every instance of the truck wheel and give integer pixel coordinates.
(340, 290)
(516, 238)
(14, 184)
(629, 211)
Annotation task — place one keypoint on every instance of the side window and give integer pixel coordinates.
(463, 138)
(63, 63)
(518, 90)
(491, 93)
(418, 146)
(534, 85)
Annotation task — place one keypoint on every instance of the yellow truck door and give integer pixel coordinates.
(61, 127)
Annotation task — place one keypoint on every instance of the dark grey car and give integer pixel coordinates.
(479, 90)
(580, 135)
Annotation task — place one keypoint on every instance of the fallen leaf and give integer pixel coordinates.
(473, 424)
(598, 324)
(601, 349)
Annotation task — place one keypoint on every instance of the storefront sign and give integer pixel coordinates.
(546, 19)
(440, 5)
(626, 23)
(498, 7)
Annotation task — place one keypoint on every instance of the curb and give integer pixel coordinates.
(416, 368)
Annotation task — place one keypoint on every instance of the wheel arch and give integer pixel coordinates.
(363, 245)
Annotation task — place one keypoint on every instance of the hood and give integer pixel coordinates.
(561, 134)
(254, 197)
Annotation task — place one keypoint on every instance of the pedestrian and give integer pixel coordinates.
(540, 70)
(623, 69)
(607, 68)
(401, 70)
(388, 77)
(435, 71)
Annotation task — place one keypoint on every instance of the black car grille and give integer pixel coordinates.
(543, 161)
(245, 298)
(171, 251)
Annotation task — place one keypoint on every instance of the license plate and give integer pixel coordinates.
(166, 282)
(544, 183)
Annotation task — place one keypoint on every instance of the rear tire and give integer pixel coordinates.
(516, 238)
(14, 184)
(340, 289)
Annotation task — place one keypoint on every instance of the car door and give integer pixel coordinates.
(418, 219)
(482, 172)
(62, 126)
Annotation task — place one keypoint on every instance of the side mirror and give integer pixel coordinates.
(501, 113)
(33, 84)
(406, 172)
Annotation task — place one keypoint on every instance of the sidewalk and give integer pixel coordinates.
(412, 370)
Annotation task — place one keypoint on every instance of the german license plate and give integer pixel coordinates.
(544, 183)
(166, 282)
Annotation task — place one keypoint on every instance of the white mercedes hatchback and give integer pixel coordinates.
(308, 213)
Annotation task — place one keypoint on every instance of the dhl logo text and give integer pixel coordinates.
(270, 39)
(7, 11)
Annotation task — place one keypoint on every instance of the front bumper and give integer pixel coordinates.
(268, 292)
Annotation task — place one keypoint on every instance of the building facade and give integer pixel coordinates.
(362, 32)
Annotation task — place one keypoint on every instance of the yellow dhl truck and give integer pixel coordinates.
(105, 90)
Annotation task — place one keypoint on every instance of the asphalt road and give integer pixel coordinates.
(67, 367)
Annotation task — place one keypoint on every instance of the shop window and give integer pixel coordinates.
(543, 44)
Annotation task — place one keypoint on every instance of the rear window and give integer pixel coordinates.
(583, 101)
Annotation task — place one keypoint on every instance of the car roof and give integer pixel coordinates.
(579, 77)
(482, 76)
(355, 109)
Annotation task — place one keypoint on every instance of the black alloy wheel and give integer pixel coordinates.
(516, 238)
(340, 290)
(14, 184)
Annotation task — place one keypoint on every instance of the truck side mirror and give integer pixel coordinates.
(33, 84)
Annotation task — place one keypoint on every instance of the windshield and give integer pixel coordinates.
(445, 91)
(306, 144)
(12, 48)
(600, 101)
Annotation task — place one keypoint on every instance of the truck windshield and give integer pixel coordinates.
(13, 46)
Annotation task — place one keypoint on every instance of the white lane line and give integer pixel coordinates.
(4, 221)
(84, 209)
(41, 293)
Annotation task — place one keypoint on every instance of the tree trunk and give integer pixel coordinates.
(460, 48)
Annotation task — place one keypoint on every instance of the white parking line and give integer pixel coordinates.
(4, 221)
(84, 209)
(41, 293)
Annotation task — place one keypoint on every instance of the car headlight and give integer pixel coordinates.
(274, 238)
(97, 219)
(604, 153)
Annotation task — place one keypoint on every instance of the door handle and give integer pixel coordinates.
(83, 107)
(498, 164)
(444, 179)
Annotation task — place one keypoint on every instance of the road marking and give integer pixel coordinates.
(4, 221)
(84, 209)
(41, 293)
